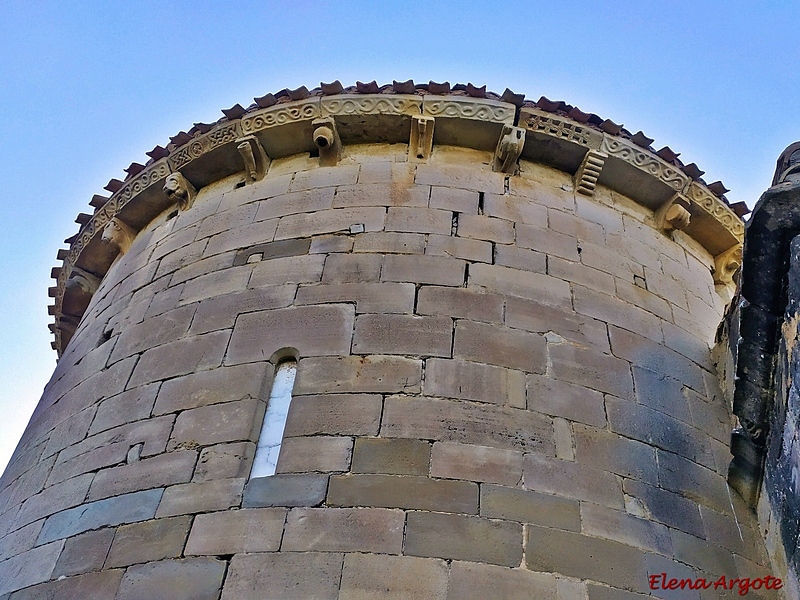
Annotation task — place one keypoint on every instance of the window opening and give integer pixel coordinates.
(271, 437)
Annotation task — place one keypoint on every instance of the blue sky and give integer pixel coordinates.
(86, 88)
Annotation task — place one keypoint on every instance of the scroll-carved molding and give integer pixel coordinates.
(589, 172)
(180, 190)
(281, 114)
(509, 147)
(256, 161)
(220, 135)
(714, 207)
(646, 161)
(142, 181)
(456, 107)
(355, 104)
(420, 144)
(674, 214)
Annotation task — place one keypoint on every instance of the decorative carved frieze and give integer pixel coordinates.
(551, 125)
(646, 161)
(256, 161)
(674, 214)
(509, 147)
(220, 135)
(588, 173)
(355, 104)
(118, 234)
(458, 107)
(420, 144)
(180, 190)
(713, 206)
(153, 174)
(280, 114)
(327, 141)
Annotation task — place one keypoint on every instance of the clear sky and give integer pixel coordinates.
(86, 88)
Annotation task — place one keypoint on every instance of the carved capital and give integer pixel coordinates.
(256, 161)
(674, 214)
(509, 147)
(180, 190)
(118, 234)
(588, 173)
(326, 139)
(420, 144)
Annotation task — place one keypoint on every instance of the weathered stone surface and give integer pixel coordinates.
(468, 423)
(224, 461)
(540, 318)
(520, 258)
(463, 538)
(460, 302)
(185, 579)
(84, 552)
(663, 506)
(323, 244)
(453, 199)
(159, 471)
(338, 414)
(474, 381)
(227, 422)
(573, 480)
(390, 243)
(515, 504)
(352, 268)
(378, 530)
(369, 297)
(357, 374)
(285, 490)
(222, 384)
(501, 346)
(316, 453)
(330, 221)
(221, 312)
(164, 328)
(475, 581)
(289, 576)
(187, 355)
(148, 541)
(90, 585)
(459, 247)
(434, 270)
(21, 540)
(458, 176)
(476, 463)
(576, 555)
(524, 284)
(419, 220)
(294, 203)
(515, 208)
(540, 238)
(403, 334)
(232, 532)
(402, 491)
(591, 369)
(28, 568)
(689, 479)
(604, 450)
(368, 576)
(188, 498)
(128, 406)
(54, 498)
(600, 521)
(486, 228)
(128, 508)
(391, 456)
(312, 330)
(282, 271)
(561, 399)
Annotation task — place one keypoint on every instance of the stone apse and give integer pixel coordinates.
(409, 341)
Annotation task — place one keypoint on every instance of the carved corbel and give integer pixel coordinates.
(82, 280)
(420, 143)
(674, 214)
(726, 264)
(588, 173)
(180, 190)
(256, 161)
(509, 147)
(118, 234)
(326, 138)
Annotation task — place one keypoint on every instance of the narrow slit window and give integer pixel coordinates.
(271, 437)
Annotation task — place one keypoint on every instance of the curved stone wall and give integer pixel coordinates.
(504, 389)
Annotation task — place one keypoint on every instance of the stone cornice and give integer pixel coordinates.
(552, 133)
